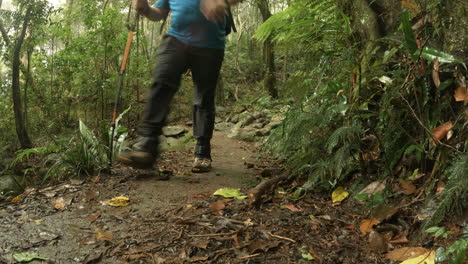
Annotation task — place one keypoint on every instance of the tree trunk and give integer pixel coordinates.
(21, 131)
(268, 53)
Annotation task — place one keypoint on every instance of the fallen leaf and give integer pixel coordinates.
(400, 239)
(307, 256)
(119, 201)
(62, 203)
(440, 187)
(292, 207)
(219, 205)
(92, 218)
(230, 193)
(384, 211)
(407, 187)
(404, 253)
(374, 187)
(339, 195)
(262, 245)
(203, 244)
(103, 236)
(27, 257)
(367, 224)
(248, 222)
(37, 221)
(16, 199)
(435, 73)
(461, 94)
(427, 258)
(377, 242)
(442, 130)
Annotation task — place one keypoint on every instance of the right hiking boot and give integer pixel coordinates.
(201, 165)
(143, 154)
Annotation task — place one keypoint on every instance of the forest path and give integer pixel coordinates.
(179, 220)
(85, 225)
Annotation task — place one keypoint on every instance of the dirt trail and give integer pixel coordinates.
(179, 220)
(72, 235)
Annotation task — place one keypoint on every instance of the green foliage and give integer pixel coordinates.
(455, 253)
(25, 154)
(455, 195)
(82, 155)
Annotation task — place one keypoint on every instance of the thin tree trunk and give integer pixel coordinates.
(21, 131)
(268, 53)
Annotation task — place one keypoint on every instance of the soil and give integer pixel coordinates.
(178, 220)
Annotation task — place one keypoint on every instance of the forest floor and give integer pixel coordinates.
(178, 220)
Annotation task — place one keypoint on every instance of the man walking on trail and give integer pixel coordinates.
(195, 41)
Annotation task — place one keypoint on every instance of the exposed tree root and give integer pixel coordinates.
(262, 191)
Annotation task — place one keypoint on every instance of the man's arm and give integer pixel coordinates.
(150, 12)
(214, 10)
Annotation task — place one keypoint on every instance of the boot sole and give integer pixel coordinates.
(201, 170)
(135, 164)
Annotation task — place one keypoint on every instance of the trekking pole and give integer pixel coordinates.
(123, 67)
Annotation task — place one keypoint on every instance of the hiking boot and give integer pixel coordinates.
(143, 155)
(201, 165)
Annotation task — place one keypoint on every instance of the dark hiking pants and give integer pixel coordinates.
(173, 60)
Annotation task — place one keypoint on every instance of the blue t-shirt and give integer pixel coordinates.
(190, 26)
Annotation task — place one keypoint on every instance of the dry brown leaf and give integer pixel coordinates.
(409, 5)
(400, 239)
(374, 187)
(442, 130)
(404, 253)
(435, 73)
(440, 187)
(62, 203)
(219, 205)
(407, 187)
(461, 94)
(103, 236)
(16, 199)
(367, 224)
(92, 218)
(377, 242)
(292, 207)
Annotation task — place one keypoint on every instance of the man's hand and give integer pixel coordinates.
(141, 6)
(213, 10)
(148, 11)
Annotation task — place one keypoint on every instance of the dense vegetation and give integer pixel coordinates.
(375, 90)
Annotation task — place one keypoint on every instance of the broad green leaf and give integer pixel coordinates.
(388, 54)
(361, 196)
(308, 256)
(27, 256)
(431, 54)
(433, 229)
(230, 193)
(439, 232)
(410, 40)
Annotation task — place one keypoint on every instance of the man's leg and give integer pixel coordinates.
(205, 65)
(172, 62)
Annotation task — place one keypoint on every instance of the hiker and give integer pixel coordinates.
(195, 40)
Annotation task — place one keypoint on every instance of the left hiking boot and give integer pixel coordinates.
(201, 165)
(142, 156)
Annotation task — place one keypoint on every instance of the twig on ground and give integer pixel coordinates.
(281, 237)
(250, 256)
(217, 234)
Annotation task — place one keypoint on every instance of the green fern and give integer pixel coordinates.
(455, 196)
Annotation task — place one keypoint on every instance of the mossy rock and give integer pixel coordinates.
(9, 185)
